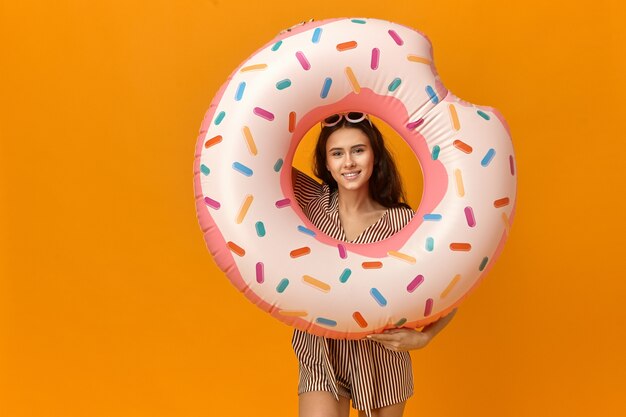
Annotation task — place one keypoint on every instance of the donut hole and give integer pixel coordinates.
(406, 161)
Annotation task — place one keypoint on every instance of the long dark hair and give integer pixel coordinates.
(385, 185)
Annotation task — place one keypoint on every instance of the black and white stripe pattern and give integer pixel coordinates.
(363, 370)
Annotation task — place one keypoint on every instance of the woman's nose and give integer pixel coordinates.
(349, 161)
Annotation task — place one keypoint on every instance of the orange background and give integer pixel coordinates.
(110, 305)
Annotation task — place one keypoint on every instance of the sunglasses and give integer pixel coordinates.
(352, 117)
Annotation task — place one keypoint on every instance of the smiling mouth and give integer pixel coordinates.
(350, 175)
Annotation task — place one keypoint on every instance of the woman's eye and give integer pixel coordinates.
(358, 150)
(336, 154)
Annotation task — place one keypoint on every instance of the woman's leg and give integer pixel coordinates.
(322, 404)
(394, 410)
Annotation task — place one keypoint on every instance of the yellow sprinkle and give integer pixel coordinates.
(451, 285)
(254, 67)
(353, 81)
(293, 313)
(455, 117)
(507, 224)
(244, 208)
(249, 140)
(401, 256)
(322, 286)
(460, 189)
(415, 58)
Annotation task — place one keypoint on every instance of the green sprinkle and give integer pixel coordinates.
(359, 21)
(205, 169)
(276, 46)
(220, 117)
(282, 285)
(435, 154)
(260, 229)
(430, 244)
(400, 322)
(395, 84)
(281, 85)
(278, 165)
(483, 264)
(483, 114)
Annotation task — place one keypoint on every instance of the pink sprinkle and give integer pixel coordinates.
(429, 307)
(343, 253)
(263, 113)
(303, 61)
(395, 37)
(414, 124)
(260, 276)
(512, 164)
(212, 203)
(283, 203)
(469, 215)
(375, 58)
(417, 281)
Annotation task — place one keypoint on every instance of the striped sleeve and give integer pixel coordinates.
(306, 189)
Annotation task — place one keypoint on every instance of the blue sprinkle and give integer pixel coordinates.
(432, 217)
(316, 35)
(432, 94)
(326, 322)
(488, 157)
(359, 21)
(394, 84)
(242, 168)
(435, 153)
(278, 165)
(205, 169)
(430, 244)
(240, 89)
(282, 285)
(260, 229)
(326, 87)
(220, 117)
(281, 85)
(306, 231)
(276, 46)
(378, 297)
(343, 278)
(483, 114)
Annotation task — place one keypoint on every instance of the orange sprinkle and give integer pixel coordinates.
(254, 67)
(401, 256)
(460, 188)
(292, 121)
(293, 313)
(249, 140)
(465, 247)
(507, 225)
(358, 317)
(455, 118)
(320, 285)
(236, 248)
(300, 252)
(353, 81)
(213, 141)
(419, 59)
(501, 202)
(372, 265)
(451, 285)
(346, 45)
(462, 146)
(244, 208)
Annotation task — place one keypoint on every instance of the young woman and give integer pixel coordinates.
(360, 200)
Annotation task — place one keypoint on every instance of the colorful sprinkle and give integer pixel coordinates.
(263, 113)
(358, 317)
(400, 322)
(213, 141)
(358, 21)
(372, 265)
(435, 153)
(378, 297)
(326, 322)
(428, 308)
(285, 202)
(432, 217)
(240, 90)
(451, 285)
(512, 164)
(293, 313)
(212, 203)
(303, 61)
(488, 157)
(260, 229)
(430, 244)
(401, 256)
(276, 46)
(462, 146)
(238, 250)
(501, 202)
(292, 121)
(353, 81)
(394, 84)
(416, 282)
(306, 231)
(249, 141)
(346, 45)
(460, 188)
(219, 118)
(415, 124)
(326, 87)
(317, 33)
(375, 58)
(244, 209)
(316, 283)
(205, 169)
(469, 216)
(418, 59)
(278, 165)
(282, 84)
(432, 94)
(254, 67)
(260, 274)
(282, 285)
(456, 125)
(343, 278)
(483, 114)
(507, 224)
(483, 264)
(239, 167)
(396, 37)
(343, 253)
(460, 247)
(296, 253)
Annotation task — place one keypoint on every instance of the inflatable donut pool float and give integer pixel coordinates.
(272, 253)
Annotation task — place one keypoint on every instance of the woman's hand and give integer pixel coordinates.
(401, 339)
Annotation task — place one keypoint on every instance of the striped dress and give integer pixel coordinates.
(363, 370)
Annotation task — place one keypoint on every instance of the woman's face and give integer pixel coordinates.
(350, 158)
